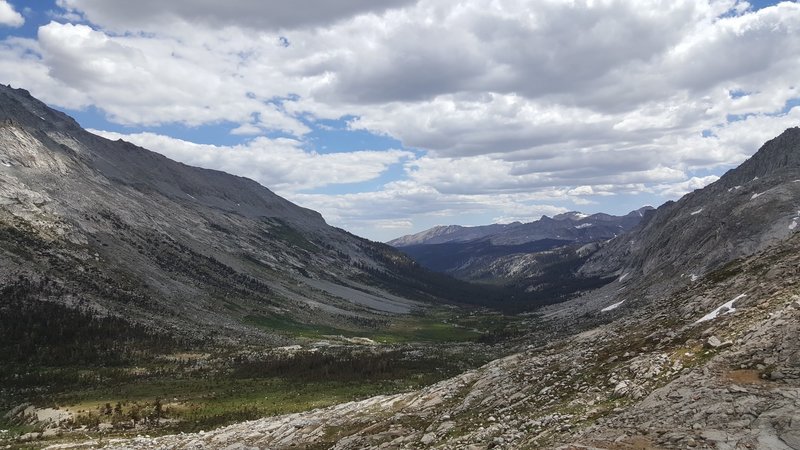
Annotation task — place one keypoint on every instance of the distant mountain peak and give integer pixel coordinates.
(641, 211)
(571, 215)
(560, 226)
(18, 107)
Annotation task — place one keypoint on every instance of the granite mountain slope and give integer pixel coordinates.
(748, 209)
(125, 232)
(654, 360)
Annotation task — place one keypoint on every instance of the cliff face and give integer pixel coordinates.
(35, 136)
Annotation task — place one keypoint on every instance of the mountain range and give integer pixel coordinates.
(695, 345)
(573, 226)
(677, 327)
(535, 262)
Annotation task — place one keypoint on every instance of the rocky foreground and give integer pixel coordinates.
(714, 365)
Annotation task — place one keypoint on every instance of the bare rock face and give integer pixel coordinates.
(776, 157)
(182, 249)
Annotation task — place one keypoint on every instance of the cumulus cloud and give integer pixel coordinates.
(403, 202)
(9, 16)
(570, 102)
(458, 79)
(29, 71)
(258, 14)
(280, 164)
(678, 189)
(150, 81)
(537, 49)
(740, 49)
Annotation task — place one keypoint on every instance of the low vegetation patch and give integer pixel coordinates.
(180, 388)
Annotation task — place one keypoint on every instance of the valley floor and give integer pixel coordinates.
(191, 390)
(646, 375)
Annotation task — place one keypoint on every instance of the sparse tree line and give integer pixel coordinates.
(173, 257)
(36, 328)
(341, 366)
(125, 415)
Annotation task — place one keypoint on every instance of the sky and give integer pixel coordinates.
(391, 117)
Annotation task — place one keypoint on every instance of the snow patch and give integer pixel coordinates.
(755, 196)
(694, 278)
(582, 226)
(624, 275)
(727, 308)
(696, 212)
(793, 225)
(191, 196)
(612, 307)
(6, 164)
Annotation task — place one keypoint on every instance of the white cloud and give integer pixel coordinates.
(409, 200)
(484, 174)
(458, 79)
(538, 104)
(10, 17)
(150, 81)
(247, 129)
(744, 49)
(392, 224)
(28, 71)
(258, 14)
(679, 189)
(583, 190)
(280, 164)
